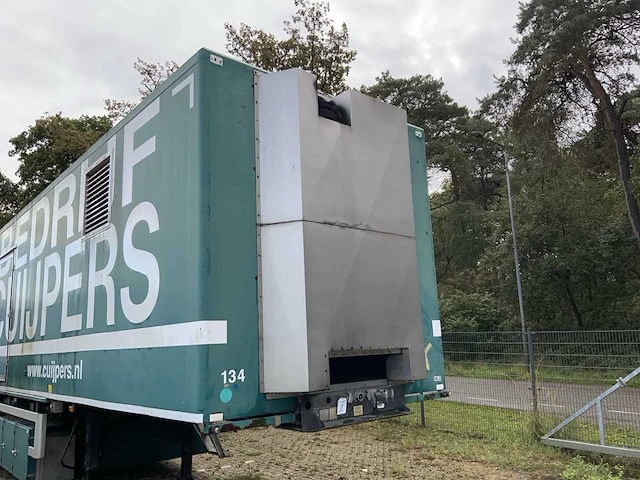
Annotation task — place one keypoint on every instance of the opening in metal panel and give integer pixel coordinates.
(357, 369)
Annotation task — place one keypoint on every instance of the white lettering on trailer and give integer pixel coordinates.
(132, 156)
(53, 278)
(5, 245)
(36, 250)
(21, 239)
(182, 85)
(23, 303)
(230, 376)
(32, 327)
(101, 278)
(49, 297)
(66, 210)
(70, 323)
(140, 261)
(11, 328)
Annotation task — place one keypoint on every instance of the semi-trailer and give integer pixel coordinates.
(239, 250)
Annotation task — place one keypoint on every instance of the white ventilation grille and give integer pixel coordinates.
(96, 210)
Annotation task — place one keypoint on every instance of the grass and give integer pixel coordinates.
(398, 468)
(493, 436)
(578, 375)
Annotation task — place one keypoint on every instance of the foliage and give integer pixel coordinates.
(313, 43)
(578, 469)
(578, 260)
(9, 199)
(482, 312)
(49, 146)
(573, 64)
(153, 74)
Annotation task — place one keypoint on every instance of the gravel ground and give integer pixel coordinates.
(348, 453)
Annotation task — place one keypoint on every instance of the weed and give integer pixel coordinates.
(578, 469)
(501, 437)
(398, 469)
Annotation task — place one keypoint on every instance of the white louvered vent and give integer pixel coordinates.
(96, 206)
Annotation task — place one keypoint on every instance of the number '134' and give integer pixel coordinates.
(232, 376)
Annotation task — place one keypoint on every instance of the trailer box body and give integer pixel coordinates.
(183, 269)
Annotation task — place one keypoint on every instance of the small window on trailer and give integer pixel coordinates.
(97, 197)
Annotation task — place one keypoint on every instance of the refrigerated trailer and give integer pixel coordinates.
(240, 250)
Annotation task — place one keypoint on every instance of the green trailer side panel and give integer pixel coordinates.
(229, 230)
(166, 184)
(426, 266)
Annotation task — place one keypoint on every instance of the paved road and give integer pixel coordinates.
(622, 407)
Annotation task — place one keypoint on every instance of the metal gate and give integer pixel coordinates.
(602, 446)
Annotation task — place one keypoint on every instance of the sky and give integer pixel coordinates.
(69, 56)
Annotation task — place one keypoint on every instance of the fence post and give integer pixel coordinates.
(422, 419)
(532, 373)
(532, 370)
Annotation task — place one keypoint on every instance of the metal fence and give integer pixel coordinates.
(507, 383)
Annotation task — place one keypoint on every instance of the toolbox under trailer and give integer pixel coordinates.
(239, 250)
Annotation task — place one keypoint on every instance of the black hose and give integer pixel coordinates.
(73, 431)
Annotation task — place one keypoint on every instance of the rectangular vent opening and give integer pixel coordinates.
(357, 369)
(96, 201)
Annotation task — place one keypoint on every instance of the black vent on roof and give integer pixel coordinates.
(96, 205)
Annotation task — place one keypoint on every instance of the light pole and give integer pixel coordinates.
(513, 232)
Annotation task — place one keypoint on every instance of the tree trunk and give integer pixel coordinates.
(574, 307)
(615, 126)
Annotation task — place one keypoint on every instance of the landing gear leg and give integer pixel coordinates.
(186, 462)
(92, 445)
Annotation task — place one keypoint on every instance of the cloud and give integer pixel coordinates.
(70, 56)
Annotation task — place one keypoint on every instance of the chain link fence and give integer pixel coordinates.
(510, 383)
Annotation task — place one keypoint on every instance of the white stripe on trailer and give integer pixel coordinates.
(206, 332)
(118, 407)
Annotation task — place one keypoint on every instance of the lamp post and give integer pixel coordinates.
(513, 232)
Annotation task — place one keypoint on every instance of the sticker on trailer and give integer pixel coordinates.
(439, 387)
(358, 410)
(342, 406)
(435, 326)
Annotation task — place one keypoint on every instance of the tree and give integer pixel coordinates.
(313, 43)
(479, 312)
(153, 74)
(49, 146)
(572, 50)
(579, 263)
(9, 199)
(449, 129)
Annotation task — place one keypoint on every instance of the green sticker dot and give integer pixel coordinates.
(225, 395)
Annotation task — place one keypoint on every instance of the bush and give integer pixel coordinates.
(469, 312)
